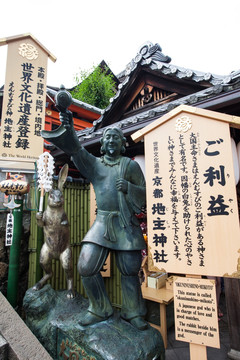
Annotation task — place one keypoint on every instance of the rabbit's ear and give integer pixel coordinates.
(62, 177)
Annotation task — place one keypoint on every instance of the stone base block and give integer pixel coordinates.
(234, 354)
(54, 320)
(3, 348)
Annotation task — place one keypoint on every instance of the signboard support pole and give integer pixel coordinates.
(12, 288)
(198, 352)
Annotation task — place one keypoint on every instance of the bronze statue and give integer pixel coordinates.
(120, 192)
(56, 235)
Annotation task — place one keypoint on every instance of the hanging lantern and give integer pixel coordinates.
(14, 186)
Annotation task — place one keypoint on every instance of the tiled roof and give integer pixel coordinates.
(217, 85)
(140, 119)
(151, 61)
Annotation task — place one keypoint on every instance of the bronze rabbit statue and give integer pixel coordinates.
(56, 235)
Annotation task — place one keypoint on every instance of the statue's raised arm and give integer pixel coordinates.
(64, 137)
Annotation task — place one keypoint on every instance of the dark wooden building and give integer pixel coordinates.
(151, 86)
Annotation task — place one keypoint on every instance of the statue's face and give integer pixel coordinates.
(112, 143)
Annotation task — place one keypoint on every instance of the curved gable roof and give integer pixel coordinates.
(151, 66)
(205, 90)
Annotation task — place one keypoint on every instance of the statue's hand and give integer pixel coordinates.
(66, 118)
(39, 215)
(122, 185)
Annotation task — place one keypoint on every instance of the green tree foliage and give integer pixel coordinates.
(94, 86)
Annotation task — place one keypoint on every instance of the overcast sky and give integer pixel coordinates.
(200, 35)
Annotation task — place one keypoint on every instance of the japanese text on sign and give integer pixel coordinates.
(9, 229)
(23, 112)
(190, 192)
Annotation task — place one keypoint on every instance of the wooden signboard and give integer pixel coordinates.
(192, 212)
(195, 310)
(23, 112)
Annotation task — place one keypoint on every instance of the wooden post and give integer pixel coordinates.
(198, 352)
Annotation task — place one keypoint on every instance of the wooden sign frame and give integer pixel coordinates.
(192, 211)
(24, 102)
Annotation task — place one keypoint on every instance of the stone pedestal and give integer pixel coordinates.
(234, 355)
(54, 320)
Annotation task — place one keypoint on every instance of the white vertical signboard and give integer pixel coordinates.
(9, 229)
(193, 224)
(23, 112)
